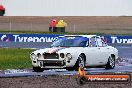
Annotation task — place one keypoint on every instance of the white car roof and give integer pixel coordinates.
(87, 36)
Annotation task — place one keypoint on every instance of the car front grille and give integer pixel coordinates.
(51, 56)
(53, 63)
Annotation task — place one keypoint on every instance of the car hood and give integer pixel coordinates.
(56, 50)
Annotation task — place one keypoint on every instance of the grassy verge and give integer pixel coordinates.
(72, 33)
(35, 32)
(14, 58)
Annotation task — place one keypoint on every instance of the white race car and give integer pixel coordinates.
(70, 52)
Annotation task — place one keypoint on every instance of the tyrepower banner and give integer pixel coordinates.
(118, 39)
(28, 37)
(47, 38)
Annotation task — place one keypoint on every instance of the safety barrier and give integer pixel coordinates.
(119, 39)
(28, 37)
(48, 38)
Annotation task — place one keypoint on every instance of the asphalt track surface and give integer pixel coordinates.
(123, 65)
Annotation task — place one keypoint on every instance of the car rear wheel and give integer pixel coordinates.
(111, 63)
(80, 62)
(38, 69)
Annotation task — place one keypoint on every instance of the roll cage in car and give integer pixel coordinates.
(97, 41)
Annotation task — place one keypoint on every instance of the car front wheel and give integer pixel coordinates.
(111, 63)
(80, 62)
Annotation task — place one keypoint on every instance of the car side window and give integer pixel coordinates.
(92, 42)
(101, 42)
(104, 43)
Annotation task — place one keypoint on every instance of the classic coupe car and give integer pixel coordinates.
(70, 52)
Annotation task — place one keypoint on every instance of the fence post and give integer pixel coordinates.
(74, 27)
(31, 25)
(10, 26)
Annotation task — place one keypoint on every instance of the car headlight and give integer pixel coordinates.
(38, 55)
(33, 56)
(69, 56)
(62, 55)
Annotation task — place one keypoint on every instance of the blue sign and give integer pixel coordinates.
(118, 39)
(47, 38)
(28, 37)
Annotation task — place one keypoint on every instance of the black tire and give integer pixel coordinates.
(38, 69)
(80, 62)
(111, 63)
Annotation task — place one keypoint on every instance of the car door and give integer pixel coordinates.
(95, 52)
(103, 50)
(91, 52)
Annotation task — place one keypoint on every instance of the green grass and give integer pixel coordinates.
(14, 58)
(37, 32)
(72, 33)
(34, 32)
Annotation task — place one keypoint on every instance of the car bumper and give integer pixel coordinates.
(50, 63)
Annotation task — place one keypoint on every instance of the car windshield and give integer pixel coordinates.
(70, 42)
